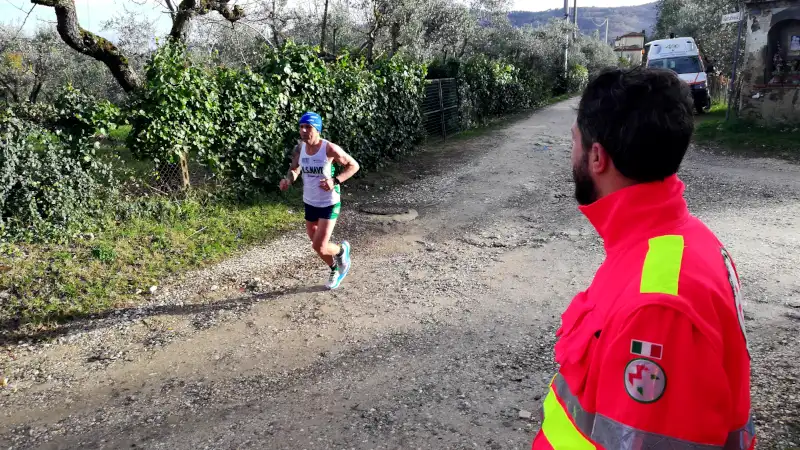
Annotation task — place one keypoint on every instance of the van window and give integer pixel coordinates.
(680, 64)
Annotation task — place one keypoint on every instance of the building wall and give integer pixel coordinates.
(761, 101)
(634, 56)
(629, 41)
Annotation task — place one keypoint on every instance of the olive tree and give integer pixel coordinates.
(114, 58)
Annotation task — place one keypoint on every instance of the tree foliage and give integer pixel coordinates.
(243, 122)
(227, 92)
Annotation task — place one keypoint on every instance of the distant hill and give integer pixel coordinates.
(622, 20)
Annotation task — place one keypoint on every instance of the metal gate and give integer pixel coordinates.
(440, 108)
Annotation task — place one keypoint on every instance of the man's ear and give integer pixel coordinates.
(599, 159)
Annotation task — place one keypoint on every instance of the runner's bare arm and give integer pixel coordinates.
(342, 158)
(294, 170)
(294, 167)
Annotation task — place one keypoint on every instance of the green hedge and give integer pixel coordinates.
(239, 123)
(495, 88)
(243, 123)
(491, 88)
(50, 184)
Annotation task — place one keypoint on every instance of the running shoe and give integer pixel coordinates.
(344, 261)
(334, 280)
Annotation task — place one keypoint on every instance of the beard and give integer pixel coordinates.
(585, 189)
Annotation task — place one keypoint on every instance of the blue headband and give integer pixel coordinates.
(312, 119)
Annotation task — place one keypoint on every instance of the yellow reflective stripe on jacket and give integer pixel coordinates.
(662, 265)
(557, 426)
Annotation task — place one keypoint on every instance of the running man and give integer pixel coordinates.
(314, 158)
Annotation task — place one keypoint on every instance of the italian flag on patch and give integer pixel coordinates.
(646, 349)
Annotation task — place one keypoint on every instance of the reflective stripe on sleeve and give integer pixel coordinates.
(567, 425)
(558, 428)
(612, 434)
(582, 419)
(662, 265)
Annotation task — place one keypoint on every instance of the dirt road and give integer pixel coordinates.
(441, 337)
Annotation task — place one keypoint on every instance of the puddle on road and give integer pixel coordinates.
(388, 213)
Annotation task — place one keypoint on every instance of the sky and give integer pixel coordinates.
(92, 13)
(542, 5)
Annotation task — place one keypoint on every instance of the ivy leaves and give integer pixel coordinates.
(50, 184)
(490, 88)
(243, 123)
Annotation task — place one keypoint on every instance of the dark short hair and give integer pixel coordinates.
(643, 117)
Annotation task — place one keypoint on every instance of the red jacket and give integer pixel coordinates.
(654, 354)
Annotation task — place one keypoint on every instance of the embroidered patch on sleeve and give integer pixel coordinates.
(645, 381)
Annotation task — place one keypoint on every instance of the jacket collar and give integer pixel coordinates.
(639, 211)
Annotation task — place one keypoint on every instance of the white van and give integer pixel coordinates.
(683, 57)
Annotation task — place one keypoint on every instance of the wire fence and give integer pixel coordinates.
(440, 108)
(169, 179)
(719, 88)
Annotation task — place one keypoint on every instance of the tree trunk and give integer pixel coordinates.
(10, 91)
(463, 48)
(90, 44)
(37, 88)
(324, 28)
(395, 34)
(274, 26)
(181, 22)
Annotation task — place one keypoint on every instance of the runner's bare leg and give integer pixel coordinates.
(321, 240)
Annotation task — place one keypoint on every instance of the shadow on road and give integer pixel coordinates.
(11, 333)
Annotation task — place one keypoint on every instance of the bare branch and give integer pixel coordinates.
(16, 35)
(171, 7)
(187, 9)
(90, 44)
(15, 6)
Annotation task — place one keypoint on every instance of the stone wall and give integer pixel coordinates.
(762, 101)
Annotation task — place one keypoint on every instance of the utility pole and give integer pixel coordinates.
(732, 88)
(606, 30)
(566, 43)
(575, 19)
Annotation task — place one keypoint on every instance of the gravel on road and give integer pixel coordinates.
(441, 336)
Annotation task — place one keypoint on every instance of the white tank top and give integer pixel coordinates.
(317, 167)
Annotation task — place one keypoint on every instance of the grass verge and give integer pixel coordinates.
(747, 138)
(147, 240)
(143, 243)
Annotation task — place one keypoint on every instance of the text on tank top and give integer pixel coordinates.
(317, 167)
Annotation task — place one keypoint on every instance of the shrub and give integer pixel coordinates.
(49, 186)
(74, 113)
(82, 115)
(177, 111)
(493, 88)
(578, 78)
(243, 123)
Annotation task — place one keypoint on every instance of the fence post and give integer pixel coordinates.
(441, 111)
(184, 167)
